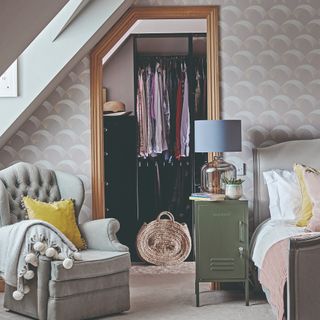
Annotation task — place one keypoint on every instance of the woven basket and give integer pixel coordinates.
(164, 241)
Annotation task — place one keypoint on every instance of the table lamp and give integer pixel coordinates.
(217, 136)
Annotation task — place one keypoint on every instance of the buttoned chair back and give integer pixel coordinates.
(22, 179)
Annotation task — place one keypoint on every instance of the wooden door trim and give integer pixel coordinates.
(210, 13)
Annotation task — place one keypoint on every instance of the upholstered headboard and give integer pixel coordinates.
(279, 156)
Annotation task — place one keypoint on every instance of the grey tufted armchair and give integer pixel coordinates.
(96, 286)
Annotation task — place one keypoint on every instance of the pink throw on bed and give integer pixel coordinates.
(273, 274)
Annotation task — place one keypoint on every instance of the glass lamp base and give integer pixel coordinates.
(213, 173)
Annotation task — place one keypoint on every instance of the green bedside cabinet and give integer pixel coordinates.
(221, 236)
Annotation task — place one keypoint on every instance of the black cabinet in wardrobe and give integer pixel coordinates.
(120, 176)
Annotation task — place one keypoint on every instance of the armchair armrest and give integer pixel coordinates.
(101, 235)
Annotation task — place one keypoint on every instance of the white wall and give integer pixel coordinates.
(160, 26)
(118, 76)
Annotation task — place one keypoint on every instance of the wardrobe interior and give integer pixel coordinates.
(150, 164)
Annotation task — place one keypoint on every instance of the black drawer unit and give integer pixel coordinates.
(120, 176)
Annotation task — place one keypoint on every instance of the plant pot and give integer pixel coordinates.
(233, 191)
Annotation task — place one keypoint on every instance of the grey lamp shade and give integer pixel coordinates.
(217, 135)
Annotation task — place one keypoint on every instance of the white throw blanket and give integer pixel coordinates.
(271, 232)
(22, 243)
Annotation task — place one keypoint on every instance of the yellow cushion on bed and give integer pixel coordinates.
(305, 213)
(60, 214)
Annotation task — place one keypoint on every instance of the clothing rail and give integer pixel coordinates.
(144, 56)
(148, 162)
(143, 61)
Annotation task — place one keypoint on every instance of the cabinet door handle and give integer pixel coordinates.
(241, 231)
(241, 251)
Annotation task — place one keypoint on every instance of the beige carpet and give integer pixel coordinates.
(185, 267)
(170, 296)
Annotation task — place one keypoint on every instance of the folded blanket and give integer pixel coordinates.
(274, 271)
(22, 243)
(273, 275)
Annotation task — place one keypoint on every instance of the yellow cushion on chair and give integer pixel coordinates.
(60, 214)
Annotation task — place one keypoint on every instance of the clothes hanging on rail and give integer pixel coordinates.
(163, 108)
(182, 115)
(182, 188)
(200, 109)
(185, 118)
(164, 185)
(200, 92)
(172, 91)
(197, 92)
(178, 119)
(149, 104)
(142, 117)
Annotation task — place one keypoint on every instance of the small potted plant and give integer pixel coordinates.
(233, 188)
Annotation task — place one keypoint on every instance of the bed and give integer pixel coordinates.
(303, 257)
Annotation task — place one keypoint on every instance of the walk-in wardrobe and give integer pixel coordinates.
(150, 164)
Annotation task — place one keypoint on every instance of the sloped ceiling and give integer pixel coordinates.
(48, 59)
(20, 22)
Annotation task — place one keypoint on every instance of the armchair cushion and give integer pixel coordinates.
(61, 289)
(94, 263)
(60, 214)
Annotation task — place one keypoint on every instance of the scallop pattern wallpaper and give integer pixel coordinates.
(270, 71)
(57, 135)
(270, 79)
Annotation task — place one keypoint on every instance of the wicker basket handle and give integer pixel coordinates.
(166, 213)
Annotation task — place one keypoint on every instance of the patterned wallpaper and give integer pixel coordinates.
(270, 70)
(270, 79)
(57, 135)
(270, 59)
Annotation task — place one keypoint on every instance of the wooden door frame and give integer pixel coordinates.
(210, 13)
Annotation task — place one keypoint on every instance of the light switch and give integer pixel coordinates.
(241, 170)
(8, 82)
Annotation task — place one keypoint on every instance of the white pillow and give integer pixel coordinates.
(284, 194)
(274, 201)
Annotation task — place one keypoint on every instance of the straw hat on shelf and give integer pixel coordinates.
(115, 108)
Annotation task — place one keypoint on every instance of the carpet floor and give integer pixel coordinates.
(170, 296)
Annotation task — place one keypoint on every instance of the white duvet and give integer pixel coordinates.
(270, 233)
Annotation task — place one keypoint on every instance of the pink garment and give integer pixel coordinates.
(273, 274)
